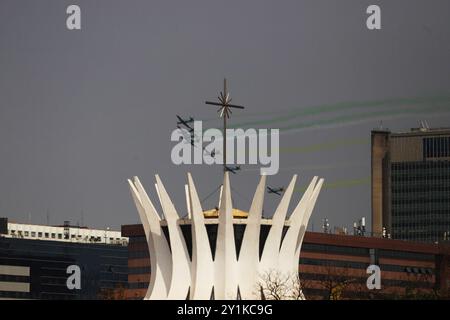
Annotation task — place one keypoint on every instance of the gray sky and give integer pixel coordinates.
(82, 111)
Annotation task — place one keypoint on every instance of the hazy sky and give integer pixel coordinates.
(82, 111)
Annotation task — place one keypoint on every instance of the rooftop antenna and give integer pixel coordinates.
(359, 229)
(422, 126)
(363, 225)
(426, 124)
(66, 229)
(48, 217)
(381, 124)
(326, 226)
(225, 112)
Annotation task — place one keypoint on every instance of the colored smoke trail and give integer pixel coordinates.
(342, 106)
(302, 167)
(326, 145)
(344, 183)
(352, 119)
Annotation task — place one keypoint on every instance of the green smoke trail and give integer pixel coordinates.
(303, 167)
(348, 119)
(326, 145)
(345, 183)
(329, 108)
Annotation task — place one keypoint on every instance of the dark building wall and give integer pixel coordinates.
(327, 260)
(443, 261)
(3, 225)
(139, 268)
(330, 262)
(380, 181)
(103, 268)
(420, 200)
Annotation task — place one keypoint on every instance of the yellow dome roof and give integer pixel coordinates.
(214, 213)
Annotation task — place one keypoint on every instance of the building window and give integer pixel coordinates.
(53, 236)
(59, 236)
(436, 147)
(33, 234)
(46, 235)
(40, 234)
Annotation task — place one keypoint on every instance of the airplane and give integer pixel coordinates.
(189, 138)
(212, 153)
(187, 128)
(185, 122)
(277, 191)
(233, 169)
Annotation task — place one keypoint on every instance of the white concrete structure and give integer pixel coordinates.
(64, 234)
(177, 276)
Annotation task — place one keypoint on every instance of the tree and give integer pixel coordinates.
(338, 283)
(117, 293)
(274, 285)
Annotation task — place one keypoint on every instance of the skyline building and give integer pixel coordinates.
(62, 233)
(34, 262)
(411, 184)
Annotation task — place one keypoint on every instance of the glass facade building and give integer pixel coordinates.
(420, 200)
(411, 184)
(37, 269)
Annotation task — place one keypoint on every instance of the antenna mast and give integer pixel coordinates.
(225, 112)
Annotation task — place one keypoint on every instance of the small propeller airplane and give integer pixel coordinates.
(212, 153)
(189, 138)
(233, 169)
(185, 122)
(277, 191)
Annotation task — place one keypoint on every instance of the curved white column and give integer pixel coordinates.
(289, 245)
(160, 261)
(181, 263)
(202, 263)
(249, 253)
(225, 260)
(174, 274)
(305, 220)
(269, 258)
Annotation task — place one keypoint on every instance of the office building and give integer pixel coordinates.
(34, 262)
(411, 184)
(63, 233)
